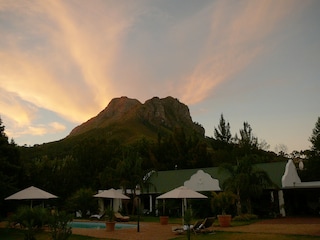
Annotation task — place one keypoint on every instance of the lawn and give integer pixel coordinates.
(248, 236)
(16, 234)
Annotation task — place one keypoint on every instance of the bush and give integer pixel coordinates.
(222, 201)
(82, 200)
(31, 219)
(59, 225)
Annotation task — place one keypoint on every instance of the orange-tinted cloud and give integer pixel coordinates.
(13, 107)
(60, 56)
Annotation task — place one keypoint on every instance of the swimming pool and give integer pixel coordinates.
(99, 225)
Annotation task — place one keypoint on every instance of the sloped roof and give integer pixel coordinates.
(164, 181)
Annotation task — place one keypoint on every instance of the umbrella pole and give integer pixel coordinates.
(164, 207)
(182, 211)
(184, 208)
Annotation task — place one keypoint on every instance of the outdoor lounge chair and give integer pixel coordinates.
(184, 228)
(118, 217)
(180, 229)
(198, 225)
(98, 216)
(206, 226)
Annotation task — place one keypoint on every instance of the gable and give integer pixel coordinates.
(290, 176)
(201, 181)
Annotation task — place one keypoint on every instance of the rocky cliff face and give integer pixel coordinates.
(167, 112)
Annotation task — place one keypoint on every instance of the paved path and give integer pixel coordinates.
(148, 230)
(156, 231)
(299, 226)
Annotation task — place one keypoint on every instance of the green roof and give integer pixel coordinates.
(164, 181)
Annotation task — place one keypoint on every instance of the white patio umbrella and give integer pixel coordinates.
(183, 193)
(31, 193)
(112, 194)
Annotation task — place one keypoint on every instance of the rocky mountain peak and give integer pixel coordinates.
(167, 112)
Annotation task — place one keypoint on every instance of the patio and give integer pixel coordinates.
(152, 230)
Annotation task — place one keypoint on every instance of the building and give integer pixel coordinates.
(289, 196)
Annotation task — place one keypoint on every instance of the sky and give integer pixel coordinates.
(62, 62)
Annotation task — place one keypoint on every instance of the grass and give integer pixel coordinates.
(248, 236)
(17, 234)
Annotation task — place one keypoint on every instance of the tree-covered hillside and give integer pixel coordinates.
(95, 162)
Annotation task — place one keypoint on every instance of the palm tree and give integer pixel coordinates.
(245, 181)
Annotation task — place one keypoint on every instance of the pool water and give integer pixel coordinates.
(99, 225)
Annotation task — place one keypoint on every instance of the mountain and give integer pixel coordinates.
(128, 120)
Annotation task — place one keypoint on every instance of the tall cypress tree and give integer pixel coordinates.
(315, 138)
(313, 163)
(223, 132)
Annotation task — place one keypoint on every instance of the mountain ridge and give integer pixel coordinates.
(156, 114)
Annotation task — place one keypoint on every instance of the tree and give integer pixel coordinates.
(247, 140)
(245, 181)
(313, 156)
(223, 132)
(315, 138)
(9, 165)
(82, 200)
(222, 143)
(281, 149)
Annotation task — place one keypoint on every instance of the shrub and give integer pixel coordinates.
(31, 219)
(109, 214)
(222, 201)
(82, 200)
(59, 225)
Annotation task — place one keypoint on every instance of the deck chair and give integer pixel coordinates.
(118, 217)
(98, 216)
(206, 226)
(198, 225)
(184, 228)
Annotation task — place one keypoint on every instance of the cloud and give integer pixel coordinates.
(238, 35)
(35, 129)
(57, 126)
(12, 106)
(18, 117)
(62, 62)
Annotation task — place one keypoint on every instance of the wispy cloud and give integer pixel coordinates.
(20, 116)
(62, 62)
(237, 37)
(14, 107)
(36, 129)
